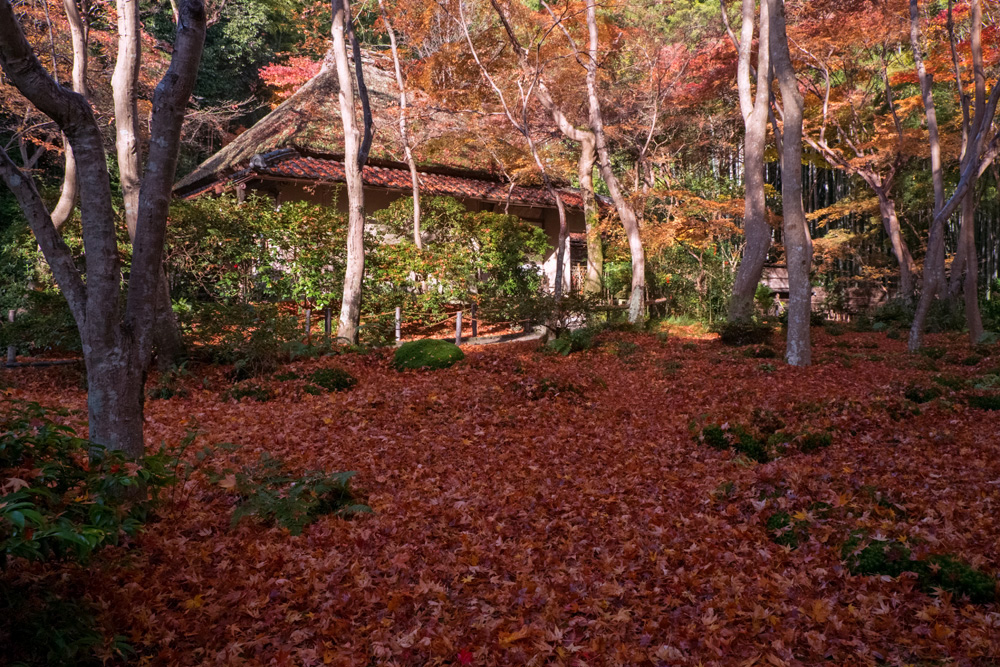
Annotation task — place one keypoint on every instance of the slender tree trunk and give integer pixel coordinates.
(403, 133)
(560, 287)
(593, 282)
(125, 84)
(798, 244)
(69, 190)
(887, 208)
(756, 229)
(973, 318)
(625, 212)
(350, 309)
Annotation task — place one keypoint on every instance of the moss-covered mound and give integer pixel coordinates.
(427, 353)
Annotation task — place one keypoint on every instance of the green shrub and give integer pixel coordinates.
(761, 352)
(736, 438)
(984, 401)
(168, 384)
(743, 333)
(810, 442)
(834, 329)
(427, 353)
(255, 339)
(952, 574)
(919, 394)
(313, 390)
(786, 532)
(933, 352)
(257, 392)
(864, 556)
(574, 340)
(625, 349)
(971, 360)
(333, 379)
(949, 381)
(44, 323)
(269, 491)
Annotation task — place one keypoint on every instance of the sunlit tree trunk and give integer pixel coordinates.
(355, 155)
(78, 38)
(594, 279)
(403, 133)
(798, 244)
(628, 217)
(755, 111)
(116, 343)
(890, 221)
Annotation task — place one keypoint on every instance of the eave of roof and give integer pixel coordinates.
(288, 164)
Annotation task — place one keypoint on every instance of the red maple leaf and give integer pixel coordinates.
(465, 657)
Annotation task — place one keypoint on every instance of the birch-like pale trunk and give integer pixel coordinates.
(350, 308)
(117, 343)
(755, 110)
(78, 39)
(628, 217)
(798, 244)
(593, 282)
(125, 85)
(403, 129)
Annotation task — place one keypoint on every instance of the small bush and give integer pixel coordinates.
(285, 377)
(984, 401)
(971, 360)
(786, 532)
(952, 574)
(919, 394)
(811, 442)
(573, 340)
(625, 349)
(428, 353)
(743, 333)
(949, 381)
(333, 379)
(257, 392)
(761, 352)
(313, 390)
(933, 352)
(268, 491)
(834, 329)
(876, 557)
(736, 438)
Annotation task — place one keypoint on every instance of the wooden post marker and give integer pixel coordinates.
(327, 323)
(458, 328)
(399, 324)
(475, 322)
(309, 328)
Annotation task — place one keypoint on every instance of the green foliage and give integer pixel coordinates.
(574, 340)
(950, 381)
(921, 394)
(833, 329)
(743, 333)
(268, 491)
(428, 353)
(252, 390)
(761, 352)
(874, 557)
(733, 437)
(786, 532)
(952, 574)
(333, 379)
(255, 339)
(933, 352)
(44, 324)
(71, 497)
(810, 442)
(984, 401)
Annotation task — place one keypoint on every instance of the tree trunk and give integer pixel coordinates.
(125, 84)
(798, 244)
(403, 133)
(756, 229)
(560, 286)
(350, 309)
(116, 345)
(973, 317)
(593, 281)
(69, 190)
(115, 398)
(887, 208)
(629, 220)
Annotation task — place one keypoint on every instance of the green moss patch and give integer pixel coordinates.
(427, 353)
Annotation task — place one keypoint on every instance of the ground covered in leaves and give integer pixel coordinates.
(539, 509)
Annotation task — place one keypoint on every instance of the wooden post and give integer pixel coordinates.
(11, 349)
(475, 322)
(327, 323)
(399, 324)
(309, 328)
(458, 328)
